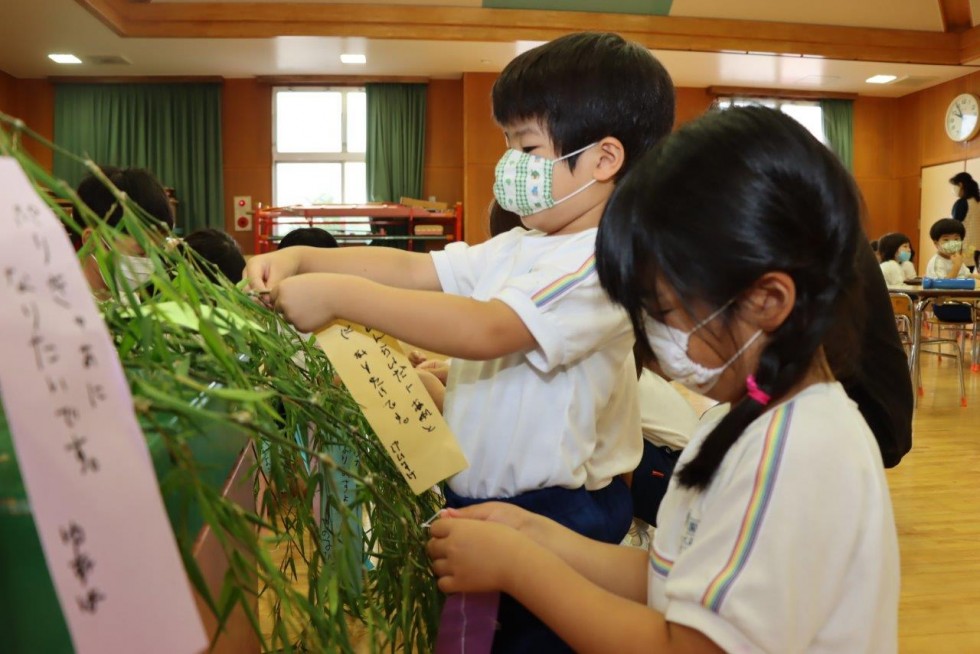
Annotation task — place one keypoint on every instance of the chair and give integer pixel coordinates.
(903, 307)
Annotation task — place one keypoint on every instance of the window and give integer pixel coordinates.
(318, 144)
(807, 114)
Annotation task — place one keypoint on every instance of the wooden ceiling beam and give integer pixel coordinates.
(266, 20)
(956, 15)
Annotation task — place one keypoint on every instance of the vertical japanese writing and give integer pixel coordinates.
(82, 566)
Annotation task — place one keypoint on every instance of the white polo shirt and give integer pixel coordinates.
(565, 413)
(939, 267)
(792, 548)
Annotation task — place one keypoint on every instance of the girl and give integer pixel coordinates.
(895, 251)
(776, 534)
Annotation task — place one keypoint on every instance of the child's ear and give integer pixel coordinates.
(612, 155)
(770, 300)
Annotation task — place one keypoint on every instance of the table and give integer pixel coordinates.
(921, 297)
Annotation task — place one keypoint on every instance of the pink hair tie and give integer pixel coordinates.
(755, 392)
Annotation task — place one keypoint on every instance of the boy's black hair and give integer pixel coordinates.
(310, 236)
(138, 184)
(945, 226)
(970, 187)
(587, 86)
(781, 201)
(219, 249)
(889, 243)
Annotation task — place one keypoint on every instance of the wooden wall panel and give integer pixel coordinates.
(482, 146)
(691, 103)
(442, 175)
(37, 110)
(873, 146)
(935, 146)
(9, 96)
(246, 123)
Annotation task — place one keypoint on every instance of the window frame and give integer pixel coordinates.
(767, 101)
(343, 157)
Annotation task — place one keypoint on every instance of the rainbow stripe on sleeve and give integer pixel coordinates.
(660, 564)
(563, 284)
(765, 480)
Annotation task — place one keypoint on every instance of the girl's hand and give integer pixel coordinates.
(308, 301)
(436, 367)
(500, 512)
(472, 556)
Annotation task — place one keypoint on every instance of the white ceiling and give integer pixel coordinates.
(44, 26)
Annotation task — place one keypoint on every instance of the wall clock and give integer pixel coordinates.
(962, 117)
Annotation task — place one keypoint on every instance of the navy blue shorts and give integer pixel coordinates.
(650, 480)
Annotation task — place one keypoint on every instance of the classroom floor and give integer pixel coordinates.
(936, 497)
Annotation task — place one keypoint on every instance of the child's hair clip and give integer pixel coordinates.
(755, 393)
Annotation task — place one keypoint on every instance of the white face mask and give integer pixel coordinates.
(135, 270)
(133, 273)
(669, 346)
(523, 182)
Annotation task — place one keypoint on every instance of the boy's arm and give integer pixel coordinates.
(956, 263)
(454, 325)
(384, 265)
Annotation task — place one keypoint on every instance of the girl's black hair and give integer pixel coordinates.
(889, 243)
(970, 187)
(780, 201)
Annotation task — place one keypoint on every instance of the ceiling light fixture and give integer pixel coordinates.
(64, 59)
(881, 79)
(353, 59)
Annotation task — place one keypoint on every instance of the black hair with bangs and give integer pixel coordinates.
(780, 201)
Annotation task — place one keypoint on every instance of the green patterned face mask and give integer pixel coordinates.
(523, 182)
(951, 247)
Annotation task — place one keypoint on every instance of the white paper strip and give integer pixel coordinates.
(90, 484)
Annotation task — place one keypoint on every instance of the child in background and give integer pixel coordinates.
(895, 251)
(947, 235)
(309, 236)
(219, 249)
(542, 389)
(777, 533)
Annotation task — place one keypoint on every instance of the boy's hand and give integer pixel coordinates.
(265, 271)
(308, 301)
(471, 556)
(957, 262)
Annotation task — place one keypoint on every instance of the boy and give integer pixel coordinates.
(146, 192)
(542, 394)
(947, 235)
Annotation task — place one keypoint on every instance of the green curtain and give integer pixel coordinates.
(173, 130)
(838, 125)
(395, 141)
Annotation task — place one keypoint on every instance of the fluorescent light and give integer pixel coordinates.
(881, 79)
(64, 59)
(353, 59)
